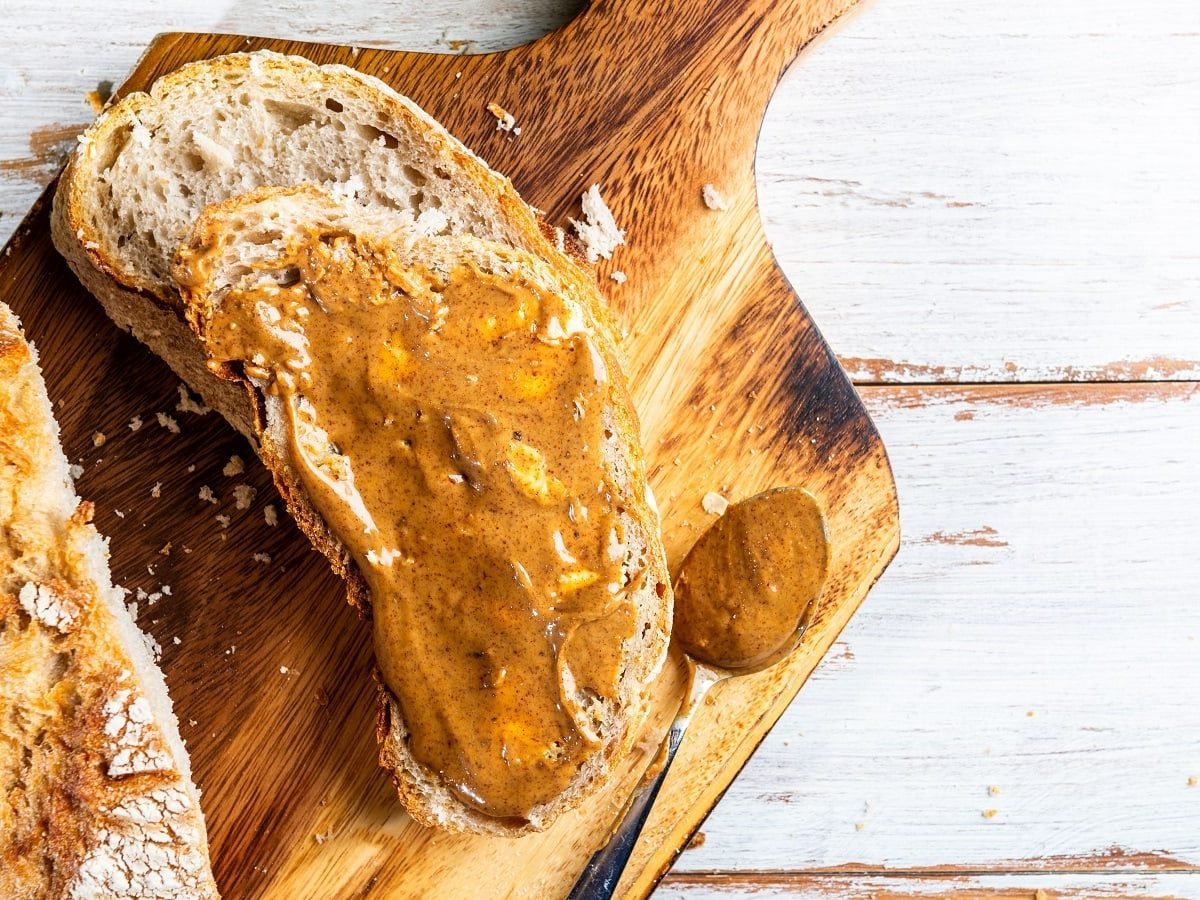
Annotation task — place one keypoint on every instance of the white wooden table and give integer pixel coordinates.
(993, 212)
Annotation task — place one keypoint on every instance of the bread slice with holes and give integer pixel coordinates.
(248, 243)
(148, 166)
(219, 129)
(98, 796)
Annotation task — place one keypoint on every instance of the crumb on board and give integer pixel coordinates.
(993, 790)
(207, 494)
(235, 466)
(714, 504)
(713, 198)
(223, 521)
(270, 516)
(165, 550)
(176, 641)
(120, 515)
(187, 404)
(232, 650)
(156, 491)
(135, 423)
(1193, 781)
(505, 121)
(76, 470)
(598, 231)
(989, 813)
(698, 840)
(192, 467)
(167, 422)
(322, 836)
(283, 670)
(98, 438)
(618, 276)
(243, 496)
(264, 558)
(859, 826)
(1029, 713)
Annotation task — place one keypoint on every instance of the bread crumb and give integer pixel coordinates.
(618, 276)
(206, 493)
(698, 840)
(1193, 781)
(165, 550)
(76, 471)
(323, 836)
(167, 422)
(859, 826)
(120, 515)
(235, 466)
(599, 230)
(156, 491)
(223, 521)
(714, 504)
(1029, 713)
(192, 468)
(989, 813)
(994, 790)
(135, 423)
(187, 404)
(283, 670)
(165, 588)
(232, 650)
(243, 496)
(264, 558)
(176, 641)
(713, 198)
(98, 438)
(505, 121)
(270, 516)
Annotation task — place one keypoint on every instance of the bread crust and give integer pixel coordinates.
(153, 312)
(99, 799)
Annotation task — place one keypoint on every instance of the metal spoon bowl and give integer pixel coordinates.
(771, 545)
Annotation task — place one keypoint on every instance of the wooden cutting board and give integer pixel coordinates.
(737, 391)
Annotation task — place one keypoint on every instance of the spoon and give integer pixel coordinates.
(743, 599)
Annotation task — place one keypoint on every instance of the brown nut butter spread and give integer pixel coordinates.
(746, 587)
(447, 423)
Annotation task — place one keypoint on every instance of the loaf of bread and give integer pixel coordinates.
(208, 160)
(98, 796)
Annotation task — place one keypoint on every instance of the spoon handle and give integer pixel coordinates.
(603, 871)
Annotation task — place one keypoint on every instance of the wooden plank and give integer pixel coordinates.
(995, 191)
(1039, 632)
(734, 387)
(962, 887)
(999, 194)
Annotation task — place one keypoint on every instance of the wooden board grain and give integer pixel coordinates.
(736, 389)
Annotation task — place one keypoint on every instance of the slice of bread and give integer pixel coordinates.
(214, 129)
(243, 243)
(98, 797)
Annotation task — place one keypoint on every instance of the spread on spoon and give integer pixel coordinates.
(448, 421)
(747, 586)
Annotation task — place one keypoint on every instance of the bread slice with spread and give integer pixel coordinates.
(98, 796)
(411, 349)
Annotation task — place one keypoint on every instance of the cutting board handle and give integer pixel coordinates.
(687, 42)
